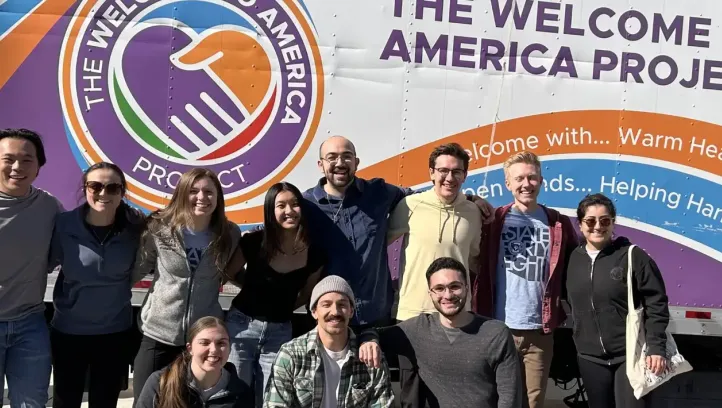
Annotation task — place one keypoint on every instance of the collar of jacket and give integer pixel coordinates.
(235, 385)
(320, 194)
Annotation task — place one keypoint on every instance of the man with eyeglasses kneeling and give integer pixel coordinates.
(464, 359)
(439, 222)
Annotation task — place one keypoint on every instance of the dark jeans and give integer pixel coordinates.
(152, 356)
(414, 392)
(607, 386)
(104, 358)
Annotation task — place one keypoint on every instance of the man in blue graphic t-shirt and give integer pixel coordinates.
(522, 268)
(521, 282)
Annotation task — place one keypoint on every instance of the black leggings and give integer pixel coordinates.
(607, 386)
(152, 356)
(104, 358)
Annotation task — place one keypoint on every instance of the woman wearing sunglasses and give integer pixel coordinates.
(95, 246)
(596, 286)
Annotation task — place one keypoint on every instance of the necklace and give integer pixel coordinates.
(340, 206)
(295, 250)
(97, 237)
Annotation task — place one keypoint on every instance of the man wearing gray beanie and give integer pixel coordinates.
(331, 345)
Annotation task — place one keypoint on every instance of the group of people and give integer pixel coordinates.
(472, 322)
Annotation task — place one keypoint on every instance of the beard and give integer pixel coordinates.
(340, 177)
(459, 302)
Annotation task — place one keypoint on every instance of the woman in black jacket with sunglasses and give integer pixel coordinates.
(95, 246)
(596, 286)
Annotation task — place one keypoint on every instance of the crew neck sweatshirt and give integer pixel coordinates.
(26, 228)
(472, 366)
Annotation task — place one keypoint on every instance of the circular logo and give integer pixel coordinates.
(160, 87)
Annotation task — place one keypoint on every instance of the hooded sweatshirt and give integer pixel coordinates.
(432, 230)
(26, 227)
(597, 292)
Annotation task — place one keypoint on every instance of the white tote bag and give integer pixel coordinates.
(640, 377)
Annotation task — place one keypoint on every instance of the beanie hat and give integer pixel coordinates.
(331, 283)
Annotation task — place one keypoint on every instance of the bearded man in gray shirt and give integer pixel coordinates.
(464, 359)
(27, 218)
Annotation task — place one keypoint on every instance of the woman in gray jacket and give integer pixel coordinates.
(95, 245)
(186, 245)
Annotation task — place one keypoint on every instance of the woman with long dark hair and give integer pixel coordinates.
(596, 285)
(187, 246)
(95, 245)
(200, 376)
(282, 268)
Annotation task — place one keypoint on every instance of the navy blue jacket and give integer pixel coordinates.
(93, 290)
(353, 230)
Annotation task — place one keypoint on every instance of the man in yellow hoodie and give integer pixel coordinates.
(436, 223)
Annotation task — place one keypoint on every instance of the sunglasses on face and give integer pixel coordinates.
(603, 222)
(96, 187)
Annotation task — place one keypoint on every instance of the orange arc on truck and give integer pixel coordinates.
(406, 169)
(22, 40)
(238, 216)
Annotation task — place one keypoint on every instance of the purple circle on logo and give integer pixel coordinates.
(157, 115)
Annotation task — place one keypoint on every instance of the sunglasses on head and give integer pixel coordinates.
(96, 187)
(603, 222)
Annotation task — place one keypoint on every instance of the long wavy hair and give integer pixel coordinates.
(178, 215)
(173, 387)
(272, 230)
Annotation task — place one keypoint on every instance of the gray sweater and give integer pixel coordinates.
(479, 369)
(93, 290)
(179, 294)
(26, 227)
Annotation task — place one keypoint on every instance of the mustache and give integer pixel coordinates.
(334, 317)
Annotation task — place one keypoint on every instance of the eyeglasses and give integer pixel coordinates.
(604, 222)
(455, 288)
(96, 187)
(333, 158)
(456, 173)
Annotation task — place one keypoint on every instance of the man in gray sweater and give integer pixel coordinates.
(27, 217)
(464, 359)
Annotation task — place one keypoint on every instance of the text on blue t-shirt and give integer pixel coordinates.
(522, 269)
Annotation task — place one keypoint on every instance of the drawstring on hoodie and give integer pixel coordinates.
(441, 206)
(454, 221)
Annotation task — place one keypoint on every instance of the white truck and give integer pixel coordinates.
(619, 97)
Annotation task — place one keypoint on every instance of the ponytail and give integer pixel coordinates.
(173, 388)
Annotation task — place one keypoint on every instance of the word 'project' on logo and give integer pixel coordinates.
(235, 90)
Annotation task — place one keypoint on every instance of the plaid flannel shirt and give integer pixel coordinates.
(297, 378)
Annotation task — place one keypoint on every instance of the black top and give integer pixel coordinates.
(100, 232)
(598, 300)
(266, 294)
